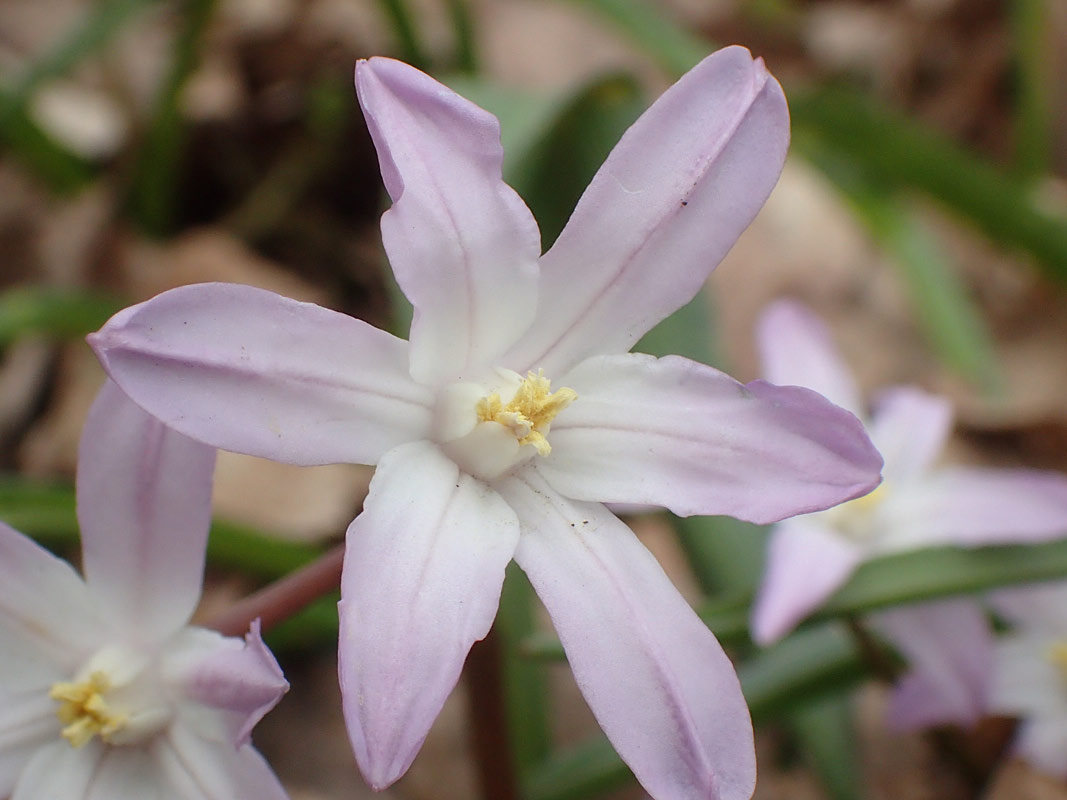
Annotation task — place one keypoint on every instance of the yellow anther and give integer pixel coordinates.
(83, 710)
(530, 411)
(1057, 654)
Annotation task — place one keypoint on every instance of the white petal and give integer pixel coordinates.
(669, 202)
(58, 771)
(251, 371)
(1043, 743)
(200, 769)
(1026, 681)
(421, 583)
(655, 678)
(676, 433)
(1040, 608)
(796, 350)
(463, 245)
(27, 722)
(43, 602)
(144, 506)
(909, 427)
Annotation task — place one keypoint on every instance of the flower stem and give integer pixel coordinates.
(285, 597)
(489, 723)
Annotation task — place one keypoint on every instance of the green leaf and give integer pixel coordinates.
(47, 513)
(1034, 75)
(827, 738)
(459, 12)
(57, 313)
(647, 24)
(952, 324)
(726, 554)
(62, 171)
(901, 152)
(524, 680)
(689, 332)
(154, 185)
(406, 32)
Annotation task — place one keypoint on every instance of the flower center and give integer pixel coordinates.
(531, 409)
(83, 710)
(118, 695)
(855, 519)
(488, 428)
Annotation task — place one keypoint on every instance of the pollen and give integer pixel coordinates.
(83, 710)
(530, 411)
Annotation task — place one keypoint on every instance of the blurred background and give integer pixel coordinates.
(146, 144)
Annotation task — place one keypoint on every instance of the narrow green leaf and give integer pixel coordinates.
(406, 32)
(56, 313)
(463, 28)
(61, 170)
(689, 332)
(726, 554)
(583, 772)
(47, 513)
(647, 24)
(826, 735)
(314, 626)
(900, 152)
(1033, 86)
(525, 685)
(951, 322)
(154, 185)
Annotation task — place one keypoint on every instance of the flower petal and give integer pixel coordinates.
(421, 583)
(679, 434)
(806, 562)
(129, 772)
(655, 678)
(58, 770)
(796, 350)
(659, 215)
(1040, 607)
(1042, 741)
(949, 646)
(200, 769)
(247, 370)
(909, 427)
(978, 506)
(44, 605)
(27, 723)
(144, 506)
(242, 679)
(462, 243)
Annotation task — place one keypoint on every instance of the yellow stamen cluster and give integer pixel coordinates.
(84, 711)
(1057, 654)
(530, 411)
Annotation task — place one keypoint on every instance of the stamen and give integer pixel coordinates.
(84, 712)
(1057, 654)
(530, 411)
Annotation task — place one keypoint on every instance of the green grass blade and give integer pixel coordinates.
(459, 12)
(826, 735)
(406, 32)
(900, 152)
(1033, 87)
(56, 313)
(645, 22)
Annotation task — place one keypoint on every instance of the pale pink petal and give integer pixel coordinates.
(421, 583)
(666, 206)
(909, 427)
(679, 434)
(58, 771)
(978, 506)
(144, 506)
(44, 604)
(807, 561)
(1042, 741)
(27, 722)
(655, 678)
(796, 350)
(241, 678)
(949, 647)
(462, 244)
(1026, 682)
(247, 370)
(201, 769)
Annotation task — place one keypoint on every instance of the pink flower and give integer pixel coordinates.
(105, 692)
(515, 412)
(1030, 672)
(918, 505)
